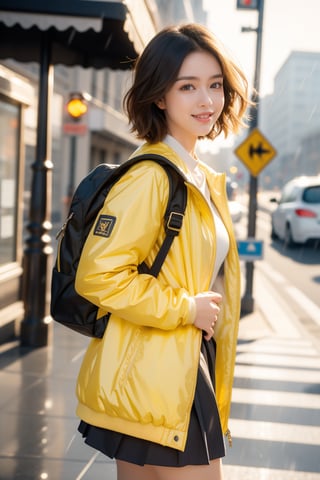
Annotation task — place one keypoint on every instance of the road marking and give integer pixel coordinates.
(276, 371)
(251, 473)
(311, 309)
(271, 273)
(298, 348)
(277, 312)
(80, 354)
(275, 431)
(87, 466)
(275, 360)
(278, 374)
(275, 398)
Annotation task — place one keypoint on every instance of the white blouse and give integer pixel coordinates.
(197, 177)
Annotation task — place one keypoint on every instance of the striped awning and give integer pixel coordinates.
(81, 32)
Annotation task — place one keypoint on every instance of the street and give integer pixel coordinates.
(299, 265)
(275, 414)
(275, 417)
(295, 271)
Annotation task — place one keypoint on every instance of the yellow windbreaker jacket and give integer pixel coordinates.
(140, 378)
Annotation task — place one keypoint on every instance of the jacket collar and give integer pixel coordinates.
(216, 181)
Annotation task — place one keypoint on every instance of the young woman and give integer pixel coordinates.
(155, 392)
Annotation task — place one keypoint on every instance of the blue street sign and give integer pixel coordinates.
(250, 249)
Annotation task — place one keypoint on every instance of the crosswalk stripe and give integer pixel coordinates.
(271, 397)
(281, 318)
(281, 346)
(277, 278)
(284, 361)
(275, 431)
(232, 472)
(275, 372)
(311, 309)
(280, 374)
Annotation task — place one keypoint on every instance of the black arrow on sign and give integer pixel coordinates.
(259, 150)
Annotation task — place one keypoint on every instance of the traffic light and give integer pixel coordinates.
(77, 106)
(76, 110)
(248, 4)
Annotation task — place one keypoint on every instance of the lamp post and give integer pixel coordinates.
(35, 326)
(247, 303)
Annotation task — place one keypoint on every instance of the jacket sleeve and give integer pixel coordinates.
(107, 273)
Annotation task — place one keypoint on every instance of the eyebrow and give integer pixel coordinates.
(192, 77)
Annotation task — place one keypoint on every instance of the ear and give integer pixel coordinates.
(161, 104)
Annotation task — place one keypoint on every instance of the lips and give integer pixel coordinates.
(203, 116)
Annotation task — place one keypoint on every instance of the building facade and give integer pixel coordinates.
(290, 116)
(16, 93)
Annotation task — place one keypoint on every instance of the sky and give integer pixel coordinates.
(288, 25)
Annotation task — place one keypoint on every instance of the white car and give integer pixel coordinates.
(297, 216)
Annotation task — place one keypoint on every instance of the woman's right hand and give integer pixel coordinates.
(207, 306)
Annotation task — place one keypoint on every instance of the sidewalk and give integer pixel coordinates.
(37, 408)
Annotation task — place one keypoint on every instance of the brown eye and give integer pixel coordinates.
(188, 86)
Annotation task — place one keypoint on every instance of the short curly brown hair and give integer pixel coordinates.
(157, 69)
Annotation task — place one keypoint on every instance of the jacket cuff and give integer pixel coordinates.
(192, 312)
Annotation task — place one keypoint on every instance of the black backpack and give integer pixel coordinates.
(69, 308)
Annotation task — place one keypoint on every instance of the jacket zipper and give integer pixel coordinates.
(229, 437)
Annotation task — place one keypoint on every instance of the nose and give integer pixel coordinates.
(205, 97)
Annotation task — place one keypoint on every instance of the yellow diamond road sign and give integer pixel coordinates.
(255, 152)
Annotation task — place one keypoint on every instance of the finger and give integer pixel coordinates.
(208, 336)
(216, 297)
(215, 308)
(211, 330)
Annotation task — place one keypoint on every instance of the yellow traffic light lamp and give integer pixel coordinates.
(76, 111)
(77, 105)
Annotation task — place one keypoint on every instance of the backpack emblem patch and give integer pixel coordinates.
(104, 225)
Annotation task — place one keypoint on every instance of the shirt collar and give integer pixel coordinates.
(190, 162)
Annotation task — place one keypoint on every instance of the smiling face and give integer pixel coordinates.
(196, 99)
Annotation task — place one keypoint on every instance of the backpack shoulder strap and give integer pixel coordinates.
(174, 214)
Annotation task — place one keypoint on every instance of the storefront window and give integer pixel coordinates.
(9, 155)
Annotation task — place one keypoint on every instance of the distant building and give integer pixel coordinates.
(310, 153)
(292, 114)
(181, 11)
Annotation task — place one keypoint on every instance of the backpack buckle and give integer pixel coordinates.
(174, 222)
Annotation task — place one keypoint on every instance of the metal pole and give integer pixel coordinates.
(247, 303)
(72, 169)
(35, 327)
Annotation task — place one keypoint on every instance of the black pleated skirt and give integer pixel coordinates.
(205, 440)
